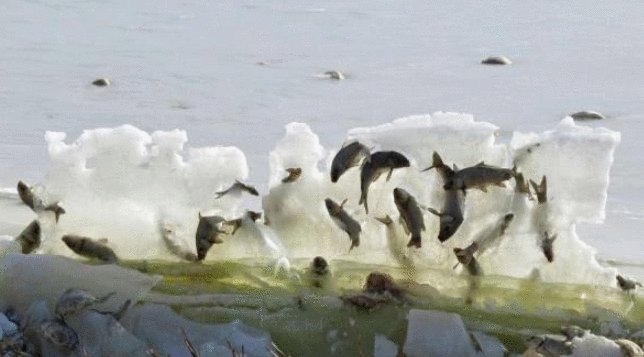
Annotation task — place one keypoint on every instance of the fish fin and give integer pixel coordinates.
(456, 265)
(391, 171)
(366, 206)
(454, 167)
(343, 202)
(414, 242)
(482, 163)
(199, 215)
(427, 169)
(385, 220)
(433, 211)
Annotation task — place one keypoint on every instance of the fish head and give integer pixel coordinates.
(22, 188)
(319, 265)
(508, 218)
(331, 206)
(253, 191)
(400, 195)
(336, 171)
(71, 241)
(447, 230)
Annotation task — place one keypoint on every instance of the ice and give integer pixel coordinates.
(383, 347)
(25, 279)
(595, 346)
(436, 333)
(123, 184)
(163, 329)
(490, 346)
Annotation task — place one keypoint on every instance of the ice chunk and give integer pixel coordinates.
(383, 347)
(7, 326)
(595, 346)
(163, 329)
(436, 333)
(576, 160)
(25, 279)
(490, 346)
(101, 335)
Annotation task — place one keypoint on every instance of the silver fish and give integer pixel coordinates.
(208, 231)
(294, 174)
(59, 334)
(411, 216)
(541, 190)
(90, 248)
(378, 163)
(73, 300)
(445, 171)
(522, 186)
(546, 246)
(27, 197)
(451, 217)
(627, 284)
(478, 176)
(30, 238)
(344, 221)
(349, 156)
(237, 188)
(173, 245)
(238, 222)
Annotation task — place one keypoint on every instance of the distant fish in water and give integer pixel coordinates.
(237, 188)
(377, 164)
(30, 237)
(546, 246)
(344, 221)
(89, 248)
(411, 216)
(478, 176)
(627, 284)
(496, 60)
(102, 82)
(587, 115)
(541, 190)
(349, 156)
(294, 174)
(208, 231)
(27, 197)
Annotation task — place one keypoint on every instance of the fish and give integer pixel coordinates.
(546, 246)
(522, 186)
(208, 230)
(294, 174)
(572, 331)
(627, 284)
(59, 334)
(344, 221)
(30, 238)
(238, 222)
(377, 164)
(74, 300)
(410, 215)
(451, 217)
(28, 197)
(237, 188)
(350, 155)
(319, 266)
(445, 171)
(478, 176)
(90, 248)
(541, 190)
(173, 245)
(550, 346)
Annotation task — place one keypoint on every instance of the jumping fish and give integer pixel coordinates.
(344, 221)
(478, 176)
(30, 237)
(451, 217)
(482, 243)
(541, 190)
(410, 215)
(377, 164)
(445, 171)
(350, 155)
(90, 248)
(237, 188)
(73, 300)
(546, 246)
(173, 245)
(627, 284)
(238, 222)
(208, 231)
(294, 174)
(28, 197)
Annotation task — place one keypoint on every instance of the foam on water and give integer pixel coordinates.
(121, 183)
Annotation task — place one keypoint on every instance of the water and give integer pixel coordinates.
(193, 65)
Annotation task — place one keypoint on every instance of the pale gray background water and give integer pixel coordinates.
(193, 65)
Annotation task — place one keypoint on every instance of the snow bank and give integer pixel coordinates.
(122, 183)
